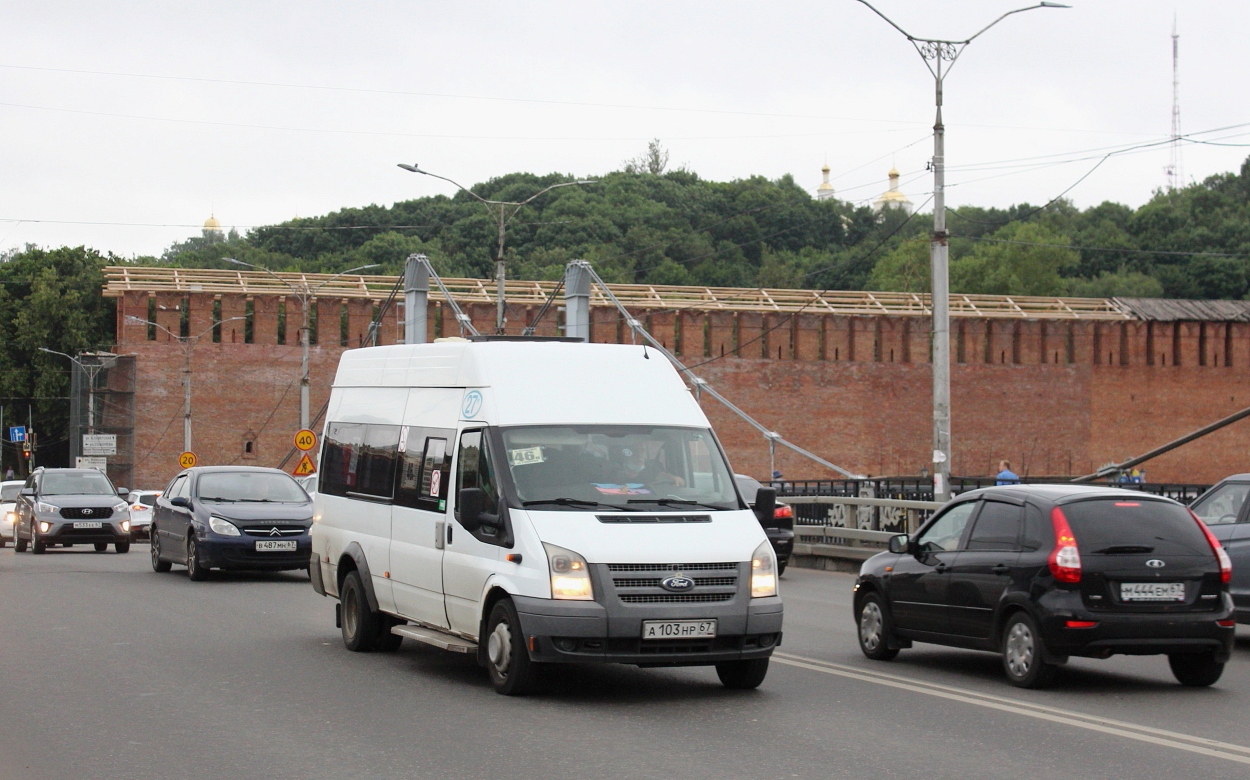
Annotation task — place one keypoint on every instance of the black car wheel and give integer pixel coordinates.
(1197, 670)
(196, 571)
(1024, 655)
(37, 546)
(876, 628)
(101, 546)
(157, 564)
(122, 547)
(360, 624)
(19, 544)
(742, 675)
(511, 670)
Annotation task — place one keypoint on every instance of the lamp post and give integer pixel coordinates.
(92, 370)
(503, 211)
(188, 345)
(934, 52)
(304, 294)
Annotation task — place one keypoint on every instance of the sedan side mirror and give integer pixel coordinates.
(180, 501)
(29, 492)
(899, 544)
(470, 504)
(765, 505)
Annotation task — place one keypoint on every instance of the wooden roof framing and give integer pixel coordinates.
(158, 279)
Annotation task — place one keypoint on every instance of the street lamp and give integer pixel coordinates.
(934, 52)
(188, 344)
(305, 294)
(506, 211)
(92, 370)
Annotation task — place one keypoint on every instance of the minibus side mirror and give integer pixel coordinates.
(765, 505)
(470, 504)
(899, 544)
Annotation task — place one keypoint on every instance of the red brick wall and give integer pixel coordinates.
(856, 391)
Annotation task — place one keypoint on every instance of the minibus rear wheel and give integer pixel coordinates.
(511, 670)
(361, 625)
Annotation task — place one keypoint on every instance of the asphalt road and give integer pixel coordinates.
(113, 671)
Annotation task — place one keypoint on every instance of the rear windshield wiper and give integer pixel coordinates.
(673, 502)
(1125, 549)
(562, 501)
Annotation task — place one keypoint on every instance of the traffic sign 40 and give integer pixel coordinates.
(305, 440)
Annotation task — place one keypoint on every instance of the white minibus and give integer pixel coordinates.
(538, 502)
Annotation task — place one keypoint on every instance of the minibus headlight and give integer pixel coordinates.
(221, 525)
(570, 574)
(763, 571)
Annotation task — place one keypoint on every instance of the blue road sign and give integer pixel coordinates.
(17, 433)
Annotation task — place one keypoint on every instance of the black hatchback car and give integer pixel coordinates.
(232, 517)
(1039, 573)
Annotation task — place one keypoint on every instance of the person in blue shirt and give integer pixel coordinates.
(1005, 475)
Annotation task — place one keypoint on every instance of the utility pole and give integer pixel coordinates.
(934, 52)
(188, 346)
(305, 294)
(502, 211)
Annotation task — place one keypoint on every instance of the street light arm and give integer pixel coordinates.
(516, 210)
(889, 21)
(54, 352)
(342, 273)
(1009, 13)
(416, 169)
(290, 286)
(133, 320)
(210, 327)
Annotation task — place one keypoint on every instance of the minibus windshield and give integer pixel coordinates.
(618, 467)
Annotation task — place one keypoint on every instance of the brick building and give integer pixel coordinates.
(1058, 386)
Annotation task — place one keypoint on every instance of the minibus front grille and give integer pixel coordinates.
(654, 582)
(675, 598)
(675, 567)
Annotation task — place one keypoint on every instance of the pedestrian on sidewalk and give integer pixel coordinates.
(1005, 475)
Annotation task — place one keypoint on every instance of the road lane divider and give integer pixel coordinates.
(1162, 737)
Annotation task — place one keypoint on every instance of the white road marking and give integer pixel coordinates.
(1163, 737)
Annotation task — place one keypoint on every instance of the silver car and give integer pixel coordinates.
(8, 509)
(71, 506)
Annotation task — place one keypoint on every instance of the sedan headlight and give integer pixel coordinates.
(46, 508)
(763, 572)
(570, 574)
(221, 525)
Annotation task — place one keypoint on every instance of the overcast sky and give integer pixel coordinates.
(151, 115)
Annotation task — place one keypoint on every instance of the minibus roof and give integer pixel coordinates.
(538, 382)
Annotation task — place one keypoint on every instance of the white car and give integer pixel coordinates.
(142, 504)
(538, 503)
(8, 508)
(309, 484)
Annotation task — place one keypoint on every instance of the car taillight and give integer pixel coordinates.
(783, 512)
(1226, 563)
(1081, 624)
(1065, 559)
(1230, 623)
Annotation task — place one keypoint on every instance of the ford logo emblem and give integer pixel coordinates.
(677, 584)
(1155, 563)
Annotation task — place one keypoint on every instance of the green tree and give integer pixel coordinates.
(1023, 258)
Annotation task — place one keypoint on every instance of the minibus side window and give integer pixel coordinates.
(359, 459)
(474, 469)
(424, 468)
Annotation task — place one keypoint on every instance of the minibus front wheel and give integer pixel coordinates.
(511, 670)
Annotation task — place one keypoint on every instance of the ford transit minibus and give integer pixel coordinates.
(538, 502)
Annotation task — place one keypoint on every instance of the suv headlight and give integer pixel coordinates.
(120, 506)
(46, 508)
(221, 525)
(763, 571)
(570, 574)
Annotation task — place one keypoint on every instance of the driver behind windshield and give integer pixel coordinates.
(634, 468)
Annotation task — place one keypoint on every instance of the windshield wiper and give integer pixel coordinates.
(1124, 549)
(563, 501)
(673, 502)
(218, 498)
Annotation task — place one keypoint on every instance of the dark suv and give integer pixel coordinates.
(1042, 572)
(71, 506)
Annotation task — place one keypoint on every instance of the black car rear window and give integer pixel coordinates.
(1116, 526)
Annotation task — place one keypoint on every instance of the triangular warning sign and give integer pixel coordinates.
(305, 467)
